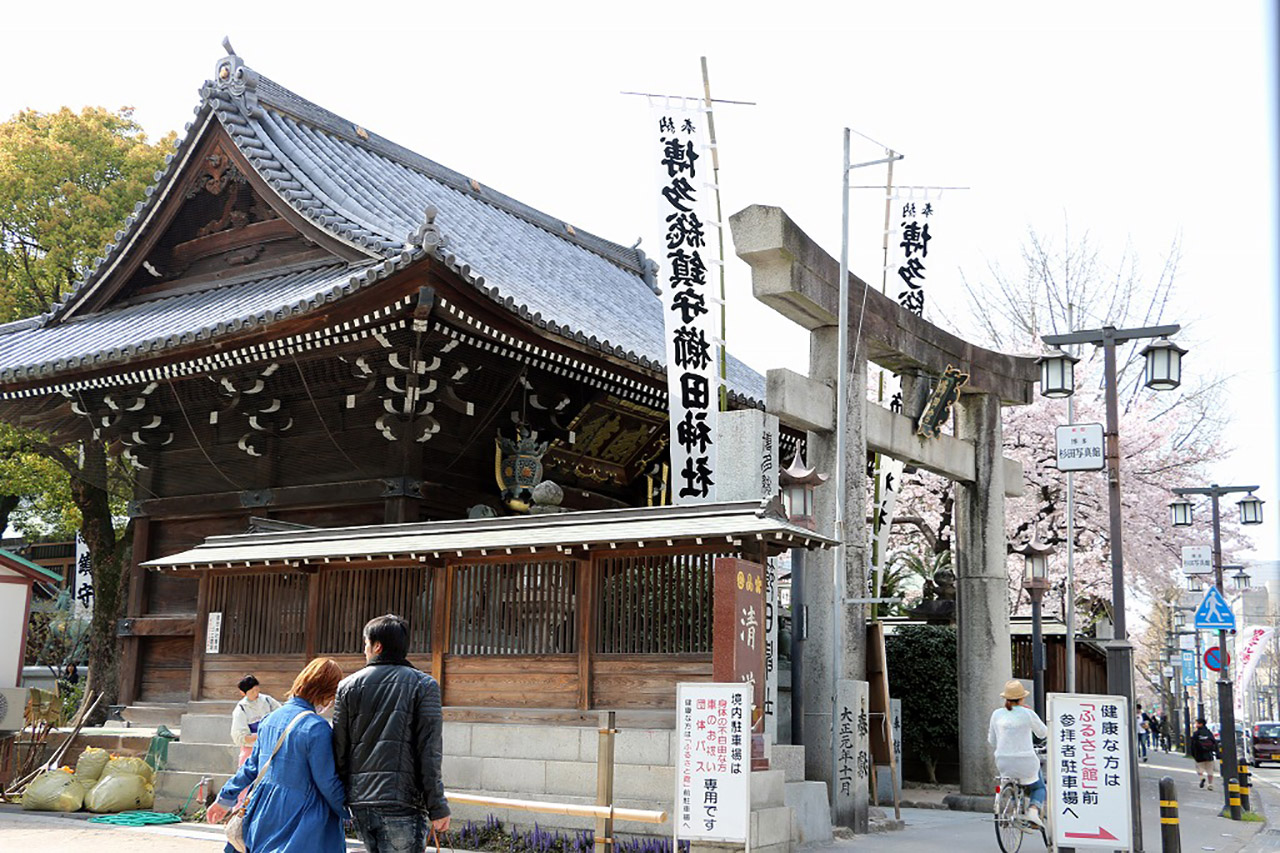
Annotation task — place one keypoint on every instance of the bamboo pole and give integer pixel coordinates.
(574, 809)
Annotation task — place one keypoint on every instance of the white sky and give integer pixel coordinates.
(1133, 121)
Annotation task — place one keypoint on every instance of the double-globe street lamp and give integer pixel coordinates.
(1057, 379)
(1250, 513)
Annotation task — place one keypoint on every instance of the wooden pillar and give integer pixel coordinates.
(197, 641)
(134, 606)
(441, 606)
(313, 613)
(586, 628)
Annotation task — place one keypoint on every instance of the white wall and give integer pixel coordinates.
(13, 626)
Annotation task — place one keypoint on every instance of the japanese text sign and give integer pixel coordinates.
(213, 633)
(713, 761)
(691, 302)
(1190, 668)
(914, 226)
(1197, 559)
(1079, 447)
(852, 749)
(738, 626)
(1088, 764)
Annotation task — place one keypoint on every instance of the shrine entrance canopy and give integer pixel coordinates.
(744, 526)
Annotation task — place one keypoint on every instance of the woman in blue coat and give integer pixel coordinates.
(298, 806)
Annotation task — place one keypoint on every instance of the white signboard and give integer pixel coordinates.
(1089, 744)
(689, 280)
(82, 583)
(913, 228)
(1197, 559)
(1079, 447)
(213, 633)
(713, 765)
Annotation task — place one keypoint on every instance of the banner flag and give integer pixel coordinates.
(1250, 644)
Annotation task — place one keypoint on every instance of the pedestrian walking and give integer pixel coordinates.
(295, 802)
(1204, 748)
(387, 736)
(1143, 729)
(1166, 733)
(253, 707)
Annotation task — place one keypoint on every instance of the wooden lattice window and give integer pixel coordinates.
(514, 608)
(262, 614)
(351, 597)
(654, 604)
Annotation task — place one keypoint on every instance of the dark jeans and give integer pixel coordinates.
(390, 831)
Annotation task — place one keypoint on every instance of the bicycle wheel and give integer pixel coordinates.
(1008, 821)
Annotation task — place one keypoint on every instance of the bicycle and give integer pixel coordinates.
(1012, 825)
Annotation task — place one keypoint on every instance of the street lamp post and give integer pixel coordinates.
(1250, 513)
(798, 482)
(1036, 583)
(1163, 372)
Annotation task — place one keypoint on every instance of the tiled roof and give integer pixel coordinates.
(372, 194)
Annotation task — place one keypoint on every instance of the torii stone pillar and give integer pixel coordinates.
(793, 275)
(984, 654)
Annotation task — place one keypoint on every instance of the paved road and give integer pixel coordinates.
(32, 831)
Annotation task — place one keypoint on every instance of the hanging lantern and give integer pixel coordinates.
(1179, 619)
(798, 483)
(1181, 512)
(1164, 364)
(1250, 510)
(1194, 584)
(1057, 374)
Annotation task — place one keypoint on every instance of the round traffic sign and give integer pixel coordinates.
(1212, 658)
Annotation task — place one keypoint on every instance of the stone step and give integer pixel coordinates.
(766, 789)
(206, 728)
(152, 715)
(174, 786)
(789, 759)
(203, 757)
(808, 800)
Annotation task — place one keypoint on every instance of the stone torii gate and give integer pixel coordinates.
(795, 277)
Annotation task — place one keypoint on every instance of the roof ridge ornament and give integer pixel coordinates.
(238, 79)
(429, 236)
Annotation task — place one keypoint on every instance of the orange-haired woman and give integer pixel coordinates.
(297, 805)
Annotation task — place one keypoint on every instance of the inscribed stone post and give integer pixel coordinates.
(853, 756)
(884, 791)
(748, 461)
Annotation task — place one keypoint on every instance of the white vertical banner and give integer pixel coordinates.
(888, 484)
(912, 229)
(690, 300)
(1250, 645)
(82, 583)
(713, 762)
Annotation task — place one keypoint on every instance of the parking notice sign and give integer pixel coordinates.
(1088, 770)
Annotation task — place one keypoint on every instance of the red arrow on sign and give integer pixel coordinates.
(1101, 834)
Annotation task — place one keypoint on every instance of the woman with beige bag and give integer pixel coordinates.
(294, 802)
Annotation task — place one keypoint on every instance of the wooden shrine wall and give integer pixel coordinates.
(617, 630)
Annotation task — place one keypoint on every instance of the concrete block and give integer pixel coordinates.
(790, 760)
(748, 460)
(521, 775)
(203, 757)
(571, 778)
(544, 743)
(811, 809)
(205, 728)
(799, 401)
(654, 783)
(457, 738)
(173, 787)
(770, 826)
(632, 746)
(464, 772)
(766, 789)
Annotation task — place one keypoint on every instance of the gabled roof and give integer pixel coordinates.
(25, 567)
(372, 195)
(705, 524)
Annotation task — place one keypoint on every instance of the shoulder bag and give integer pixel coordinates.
(235, 823)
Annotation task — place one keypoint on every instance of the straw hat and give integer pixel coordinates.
(1013, 690)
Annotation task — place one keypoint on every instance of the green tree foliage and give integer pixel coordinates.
(922, 673)
(67, 182)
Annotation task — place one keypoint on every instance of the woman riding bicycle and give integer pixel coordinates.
(1010, 733)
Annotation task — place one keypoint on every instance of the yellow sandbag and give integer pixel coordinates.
(120, 793)
(128, 767)
(54, 791)
(90, 764)
(148, 796)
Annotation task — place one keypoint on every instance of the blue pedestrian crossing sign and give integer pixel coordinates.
(1214, 614)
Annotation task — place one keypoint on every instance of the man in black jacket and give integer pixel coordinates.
(1204, 748)
(387, 743)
